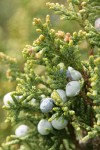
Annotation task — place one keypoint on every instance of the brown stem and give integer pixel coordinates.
(73, 136)
(91, 52)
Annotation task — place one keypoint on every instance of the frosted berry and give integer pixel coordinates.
(44, 127)
(22, 130)
(73, 74)
(62, 95)
(59, 123)
(97, 24)
(32, 101)
(61, 66)
(46, 105)
(8, 99)
(73, 88)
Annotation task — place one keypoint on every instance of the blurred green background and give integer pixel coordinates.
(16, 30)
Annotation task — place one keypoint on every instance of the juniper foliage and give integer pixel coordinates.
(55, 52)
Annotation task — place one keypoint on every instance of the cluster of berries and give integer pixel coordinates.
(44, 126)
(47, 104)
(22, 130)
